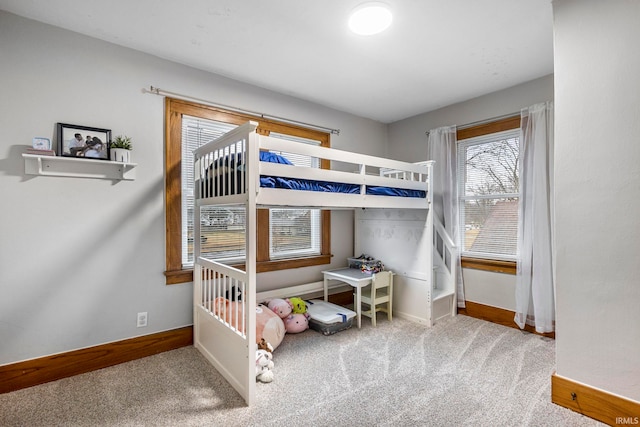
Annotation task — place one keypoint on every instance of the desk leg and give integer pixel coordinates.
(326, 289)
(358, 306)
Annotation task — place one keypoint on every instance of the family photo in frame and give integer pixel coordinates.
(83, 141)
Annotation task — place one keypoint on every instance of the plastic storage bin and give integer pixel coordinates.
(328, 318)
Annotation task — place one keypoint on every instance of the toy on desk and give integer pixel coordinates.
(366, 264)
(375, 268)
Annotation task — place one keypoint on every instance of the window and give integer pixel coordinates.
(295, 232)
(292, 232)
(196, 132)
(489, 192)
(287, 238)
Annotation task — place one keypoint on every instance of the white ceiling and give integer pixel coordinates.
(436, 52)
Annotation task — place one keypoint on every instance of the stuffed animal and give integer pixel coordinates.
(233, 294)
(298, 304)
(264, 345)
(264, 366)
(281, 307)
(296, 323)
(269, 326)
(230, 312)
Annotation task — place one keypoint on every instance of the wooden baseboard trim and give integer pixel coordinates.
(594, 403)
(25, 374)
(342, 298)
(497, 315)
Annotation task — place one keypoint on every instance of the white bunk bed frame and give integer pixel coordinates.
(226, 335)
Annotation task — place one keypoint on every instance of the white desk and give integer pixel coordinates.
(353, 277)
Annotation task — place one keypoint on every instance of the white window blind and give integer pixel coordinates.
(223, 232)
(292, 232)
(488, 179)
(197, 132)
(295, 232)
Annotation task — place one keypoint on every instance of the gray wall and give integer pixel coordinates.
(408, 141)
(79, 258)
(407, 138)
(597, 181)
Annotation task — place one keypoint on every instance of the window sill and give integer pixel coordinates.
(286, 264)
(496, 266)
(186, 275)
(176, 277)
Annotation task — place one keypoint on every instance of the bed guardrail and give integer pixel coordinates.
(222, 331)
(221, 165)
(422, 175)
(225, 166)
(221, 292)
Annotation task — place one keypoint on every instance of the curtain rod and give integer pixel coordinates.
(481, 122)
(157, 91)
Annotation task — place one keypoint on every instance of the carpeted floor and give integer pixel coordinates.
(463, 371)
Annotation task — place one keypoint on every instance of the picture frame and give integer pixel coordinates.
(41, 143)
(83, 142)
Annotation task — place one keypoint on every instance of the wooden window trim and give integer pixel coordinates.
(501, 125)
(494, 265)
(174, 110)
(508, 123)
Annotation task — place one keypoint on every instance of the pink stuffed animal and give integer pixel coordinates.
(269, 326)
(281, 307)
(296, 323)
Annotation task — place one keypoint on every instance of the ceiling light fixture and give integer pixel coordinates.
(370, 18)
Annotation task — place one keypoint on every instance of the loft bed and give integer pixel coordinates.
(245, 169)
(242, 165)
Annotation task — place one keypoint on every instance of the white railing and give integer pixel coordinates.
(221, 294)
(224, 167)
(445, 254)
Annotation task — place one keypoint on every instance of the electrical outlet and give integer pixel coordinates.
(142, 319)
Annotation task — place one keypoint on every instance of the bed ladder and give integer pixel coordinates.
(444, 276)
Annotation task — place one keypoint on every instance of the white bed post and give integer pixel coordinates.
(197, 268)
(429, 230)
(252, 151)
(197, 295)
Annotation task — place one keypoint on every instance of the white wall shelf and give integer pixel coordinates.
(79, 168)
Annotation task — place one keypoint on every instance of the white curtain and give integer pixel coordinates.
(535, 291)
(442, 148)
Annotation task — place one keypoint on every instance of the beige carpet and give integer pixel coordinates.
(463, 371)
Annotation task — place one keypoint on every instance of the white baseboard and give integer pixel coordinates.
(410, 317)
(308, 290)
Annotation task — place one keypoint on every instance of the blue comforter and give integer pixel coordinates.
(301, 184)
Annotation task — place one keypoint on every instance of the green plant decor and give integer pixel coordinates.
(121, 141)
